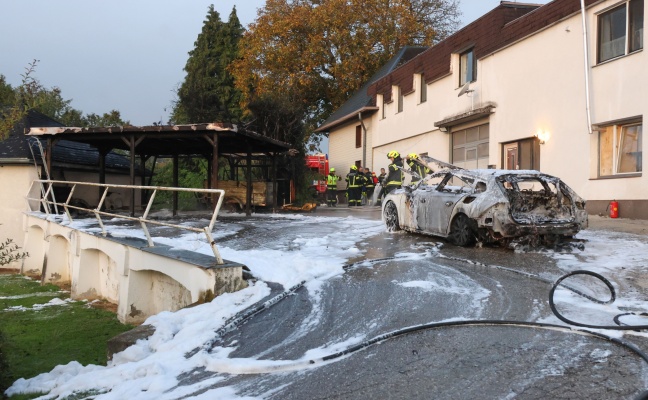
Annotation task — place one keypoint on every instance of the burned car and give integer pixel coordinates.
(489, 206)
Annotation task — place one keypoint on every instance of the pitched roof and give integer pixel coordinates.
(361, 100)
(16, 148)
(504, 25)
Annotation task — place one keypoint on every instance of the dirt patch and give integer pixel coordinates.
(103, 305)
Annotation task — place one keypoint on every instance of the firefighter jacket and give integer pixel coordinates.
(369, 182)
(395, 174)
(354, 179)
(331, 181)
(419, 169)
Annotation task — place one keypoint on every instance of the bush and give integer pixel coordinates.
(9, 252)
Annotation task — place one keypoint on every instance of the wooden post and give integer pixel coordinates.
(132, 174)
(175, 184)
(248, 194)
(214, 169)
(103, 152)
(143, 193)
(274, 182)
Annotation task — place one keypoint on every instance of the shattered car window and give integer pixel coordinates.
(455, 184)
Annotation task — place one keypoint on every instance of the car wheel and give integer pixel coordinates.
(391, 217)
(461, 233)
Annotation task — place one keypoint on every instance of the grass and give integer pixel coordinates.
(34, 340)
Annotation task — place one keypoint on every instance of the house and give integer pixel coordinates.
(71, 161)
(547, 87)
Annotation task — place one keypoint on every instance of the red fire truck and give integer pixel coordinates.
(319, 164)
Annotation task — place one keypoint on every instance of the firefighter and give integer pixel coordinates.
(370, 184)
(354, 181)
(416, 167)
(331, 188)
(395, 175)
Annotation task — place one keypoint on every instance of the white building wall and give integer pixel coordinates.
(535, 84)
(343, 151)
(15, 181)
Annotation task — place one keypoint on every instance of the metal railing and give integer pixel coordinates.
(47, 191)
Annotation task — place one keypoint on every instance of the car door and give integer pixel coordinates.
(442, 203)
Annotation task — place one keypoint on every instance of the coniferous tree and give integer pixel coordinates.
(208, 93)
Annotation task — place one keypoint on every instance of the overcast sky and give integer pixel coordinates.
(126, 55)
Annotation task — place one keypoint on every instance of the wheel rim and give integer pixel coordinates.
(391, 217)
(461, 233)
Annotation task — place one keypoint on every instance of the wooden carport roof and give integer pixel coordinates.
(169, 140)
(206, 139)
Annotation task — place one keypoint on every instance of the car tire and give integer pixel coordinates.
(390, 214)
(461, 232)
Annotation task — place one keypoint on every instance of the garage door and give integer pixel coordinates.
(470, 147)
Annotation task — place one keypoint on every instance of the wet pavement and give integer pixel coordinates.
(400, 302)
(406, 281)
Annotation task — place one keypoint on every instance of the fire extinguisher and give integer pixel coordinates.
(614, 209)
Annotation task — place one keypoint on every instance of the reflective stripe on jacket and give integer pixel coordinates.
(395, 176)
(354, 180)
(331, 181)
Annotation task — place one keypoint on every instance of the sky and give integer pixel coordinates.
(120, 54)
(149, 369)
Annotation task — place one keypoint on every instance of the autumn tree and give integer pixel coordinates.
(208, 93)
(319, 52)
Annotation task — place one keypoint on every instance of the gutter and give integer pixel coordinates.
(339, 121)
(588, 111)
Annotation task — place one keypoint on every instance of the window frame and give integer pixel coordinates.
(358, 136)
(423, 89)
(463, 74)
(632, 30)
(399, 99)
(618, 132)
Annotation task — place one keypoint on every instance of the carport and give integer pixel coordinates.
(208, 140)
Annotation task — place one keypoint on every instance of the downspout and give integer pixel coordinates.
(586, 64)
(364, 141)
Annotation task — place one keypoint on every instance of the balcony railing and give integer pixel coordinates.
(48, 203)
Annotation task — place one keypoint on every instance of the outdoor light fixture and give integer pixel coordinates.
(443, 128)
(543, 136)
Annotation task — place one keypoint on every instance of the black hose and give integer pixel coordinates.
(242, 317)
(436, 325)
(612, 298)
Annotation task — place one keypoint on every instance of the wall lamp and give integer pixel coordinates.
(443, 129)
(543, 136)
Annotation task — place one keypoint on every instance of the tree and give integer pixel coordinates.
(208, 92)
(7, 95)
(319, 52)
(31, 94)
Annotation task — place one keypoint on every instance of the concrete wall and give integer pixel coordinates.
(14, 185)
(141, 283)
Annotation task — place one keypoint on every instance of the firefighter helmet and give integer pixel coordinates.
(354, 167)
(393, 154)
(332, 170)
(412, 156)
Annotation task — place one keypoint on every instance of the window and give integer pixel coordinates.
(620, 149)
(467, 68)
(423, 88)
(400, 100)
(358, 136)
(620, 30)
(384, 104)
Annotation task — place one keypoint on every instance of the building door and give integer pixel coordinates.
(511, 154)
(521, 154)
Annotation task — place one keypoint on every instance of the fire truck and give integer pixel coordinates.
(318, 163)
